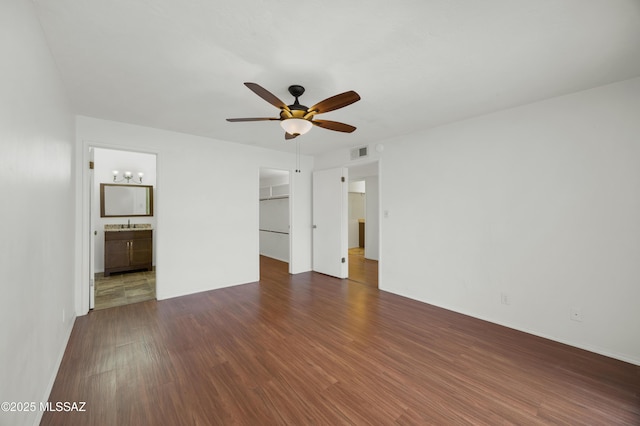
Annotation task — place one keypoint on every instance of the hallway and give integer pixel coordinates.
(364, 271)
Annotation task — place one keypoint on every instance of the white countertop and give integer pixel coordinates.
(125, 227)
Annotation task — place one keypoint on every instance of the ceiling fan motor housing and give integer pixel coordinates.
(296, 91)
(299, 112)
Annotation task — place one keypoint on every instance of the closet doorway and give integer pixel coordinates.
(274, 223)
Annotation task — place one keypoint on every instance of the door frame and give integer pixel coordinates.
(378, 229)
(291, 213)
(92, 232)
(379, 204)
(84, 226)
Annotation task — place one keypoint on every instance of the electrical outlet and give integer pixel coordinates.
(504, 299)
(575, 314)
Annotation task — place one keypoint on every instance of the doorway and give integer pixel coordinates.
(364, 208)
(274, 219)
(331, 222)
(135, 282)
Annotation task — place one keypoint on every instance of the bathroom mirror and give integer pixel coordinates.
(125, 200)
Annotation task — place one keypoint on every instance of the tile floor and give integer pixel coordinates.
(124, 288)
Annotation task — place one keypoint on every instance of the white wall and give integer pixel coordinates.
(356, 212)
(342, 158)
(372, 225)
(207, 226)
(540, 202)
(274, 228)
(106, 161)
(357, 186)
(274, 181)
(36, 213)
(274, 245)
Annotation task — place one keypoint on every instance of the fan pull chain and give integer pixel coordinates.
(298, 157)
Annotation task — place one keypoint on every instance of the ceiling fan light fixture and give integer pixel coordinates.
(296, 126)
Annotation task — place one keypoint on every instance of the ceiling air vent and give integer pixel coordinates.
(358, 152)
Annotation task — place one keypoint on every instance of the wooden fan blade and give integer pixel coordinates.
(335, 102)
(233, 120)
(288, 136)
(334, 125)
(267, 95)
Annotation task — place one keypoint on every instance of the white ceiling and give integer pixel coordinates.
(179, 65)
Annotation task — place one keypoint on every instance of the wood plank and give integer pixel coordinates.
(312, 349)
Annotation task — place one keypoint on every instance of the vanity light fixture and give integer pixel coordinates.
(128, 176)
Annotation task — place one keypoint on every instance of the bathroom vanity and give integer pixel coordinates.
(127, 248)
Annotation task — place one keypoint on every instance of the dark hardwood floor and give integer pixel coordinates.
(310, 349)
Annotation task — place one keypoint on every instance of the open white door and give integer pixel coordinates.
(92, 233)
(330, 222)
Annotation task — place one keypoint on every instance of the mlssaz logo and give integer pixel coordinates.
(65, 406)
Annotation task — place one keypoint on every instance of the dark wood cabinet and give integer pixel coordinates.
(127, 251)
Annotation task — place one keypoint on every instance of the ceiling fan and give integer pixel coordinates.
(297, 119)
